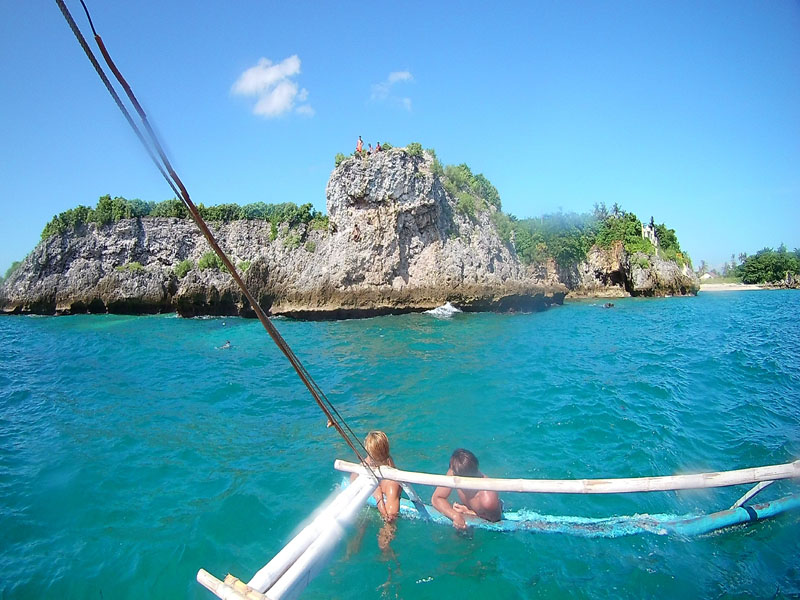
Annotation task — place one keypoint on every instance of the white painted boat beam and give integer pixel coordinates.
(275, 568)
(588, 486)
(299, 561)
(752, 493)
(307, 566)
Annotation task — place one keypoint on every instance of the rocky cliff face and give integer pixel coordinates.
(653, 276)
(395, 243)
(613, 273)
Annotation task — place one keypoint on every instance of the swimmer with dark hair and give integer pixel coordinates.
(477, 503)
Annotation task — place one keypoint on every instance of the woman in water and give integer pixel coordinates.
(387, 494)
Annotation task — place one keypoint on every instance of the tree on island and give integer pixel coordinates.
(770, 266)
(111, 210)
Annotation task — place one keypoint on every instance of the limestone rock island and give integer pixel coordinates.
(396, 240)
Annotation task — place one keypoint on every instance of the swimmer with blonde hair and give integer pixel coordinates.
(387, 494)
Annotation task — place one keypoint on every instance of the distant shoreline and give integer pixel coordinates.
(729, 287)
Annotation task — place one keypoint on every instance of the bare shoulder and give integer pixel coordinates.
(487, 504)
(390, 488)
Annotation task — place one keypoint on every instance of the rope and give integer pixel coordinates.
(159, 158)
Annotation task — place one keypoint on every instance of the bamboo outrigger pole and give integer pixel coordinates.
(588, 486)
(290, 571)
(354, 495)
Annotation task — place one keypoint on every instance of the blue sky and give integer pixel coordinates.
(686, 111)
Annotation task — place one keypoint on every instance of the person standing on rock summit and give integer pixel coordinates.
(359, 145)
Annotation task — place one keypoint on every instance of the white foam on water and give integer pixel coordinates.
(445, 311)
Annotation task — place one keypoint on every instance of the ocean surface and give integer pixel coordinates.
(133, 450)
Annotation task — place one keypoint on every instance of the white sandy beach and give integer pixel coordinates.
(729, 287)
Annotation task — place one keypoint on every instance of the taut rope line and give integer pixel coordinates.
(161, 161)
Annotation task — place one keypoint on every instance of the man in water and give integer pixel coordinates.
(478, 503)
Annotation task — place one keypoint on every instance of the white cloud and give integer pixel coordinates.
(273, 87)
(380, 91)
(383, 91)
(277, 100)
(306, 110)
(396, 76)
(260, 78)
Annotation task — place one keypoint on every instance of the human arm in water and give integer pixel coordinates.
(440, 501)
(388, 496)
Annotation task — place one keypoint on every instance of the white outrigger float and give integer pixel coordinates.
(290, 571)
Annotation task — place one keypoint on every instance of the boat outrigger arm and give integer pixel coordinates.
(290, 571)
(588, 486)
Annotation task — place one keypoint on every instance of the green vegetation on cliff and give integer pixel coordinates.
(210, 260)
(473, 193)
(414, 149)
(131, 266)
(564, 237)
(621, 226)
(668, 246)
(568, 237)
(10, 271)
(111, 210)
(183, 267)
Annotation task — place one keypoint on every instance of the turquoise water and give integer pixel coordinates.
(133, 451)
